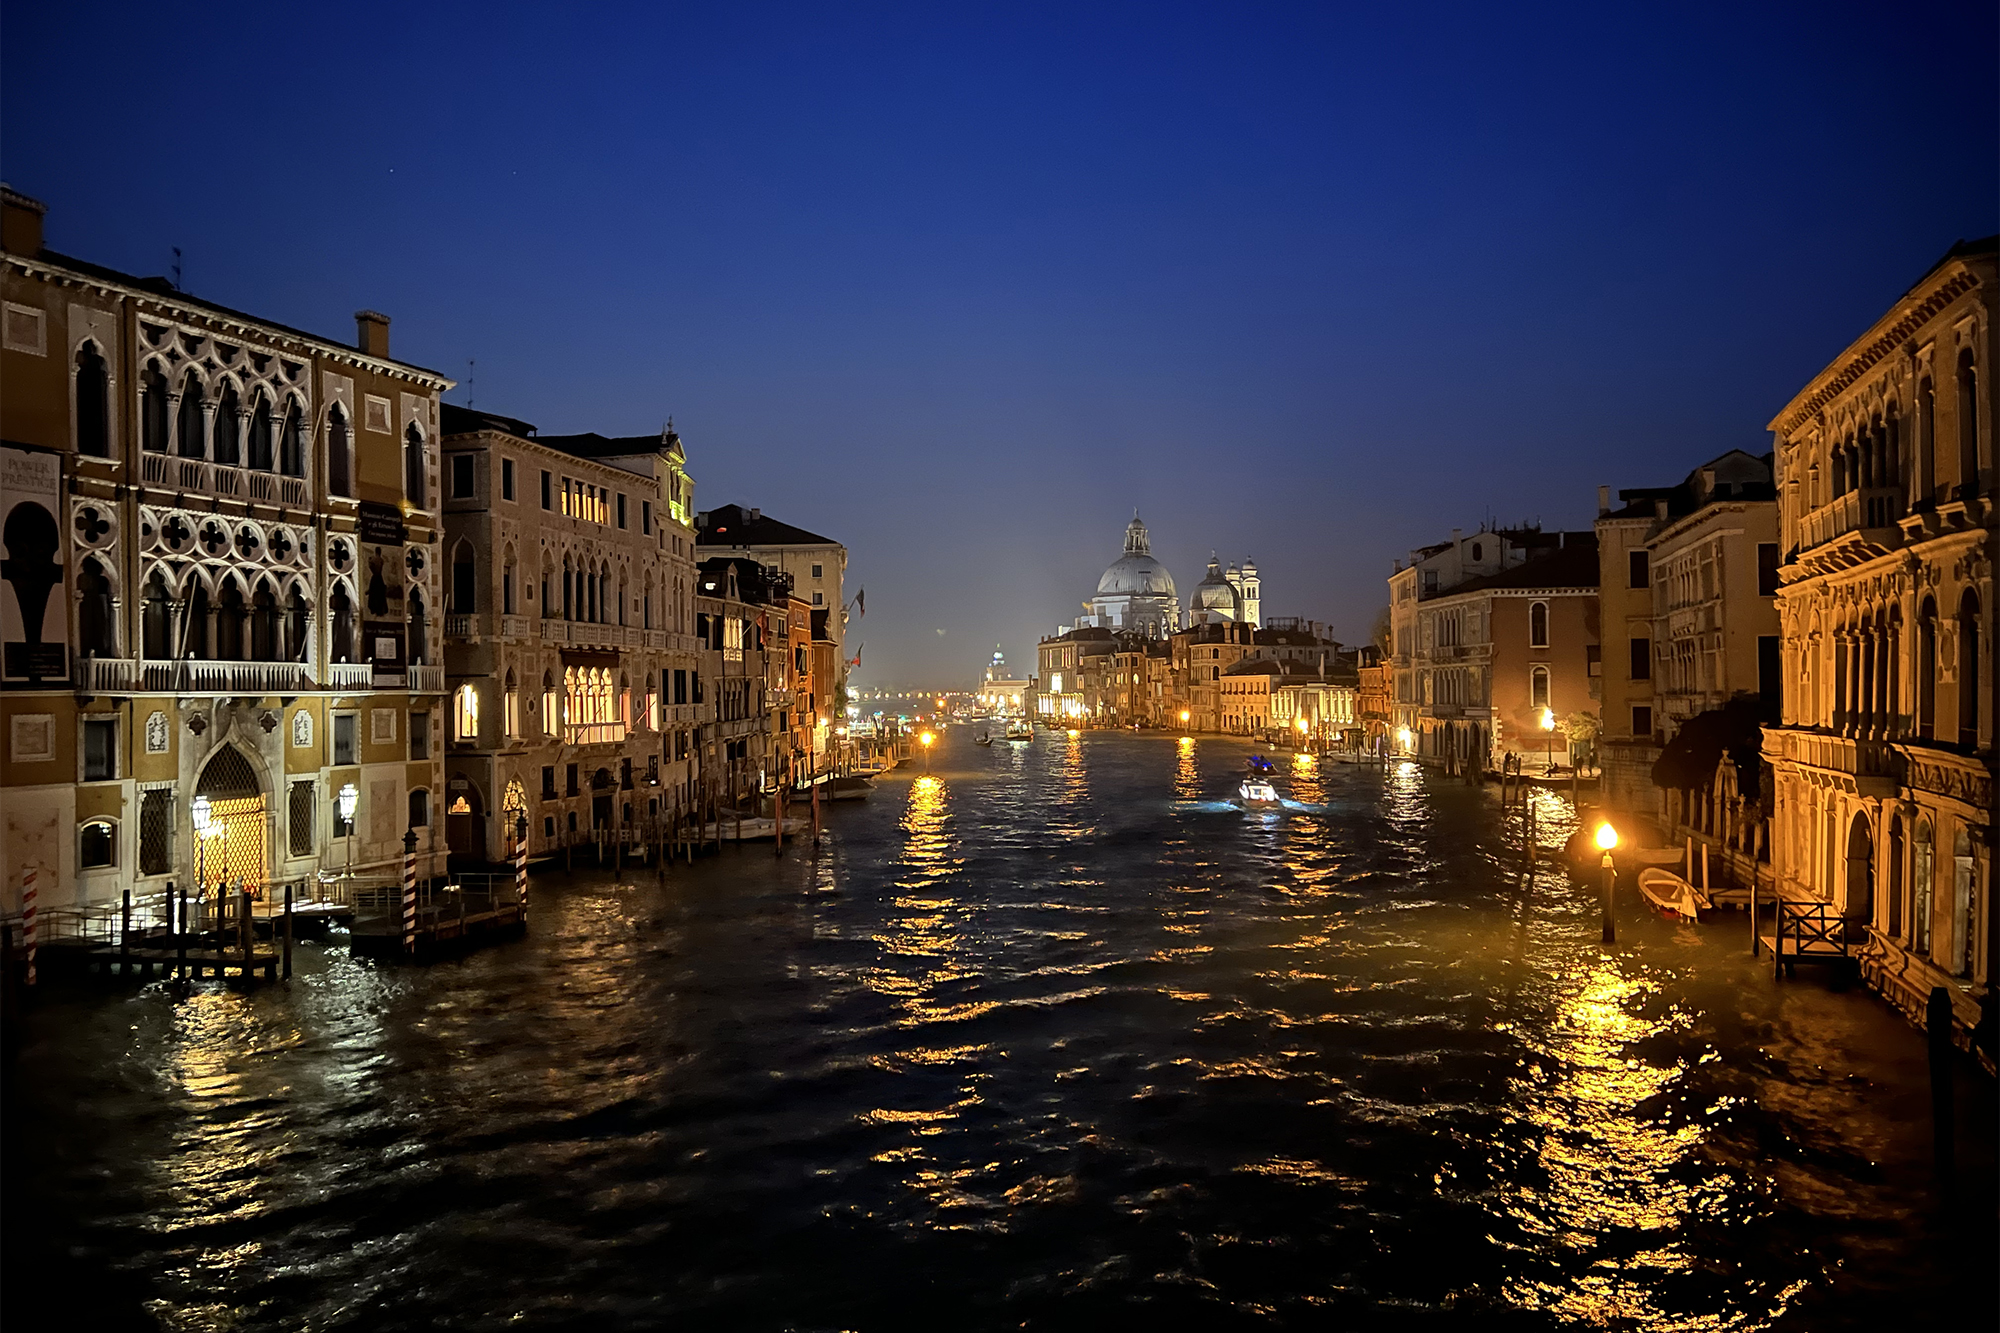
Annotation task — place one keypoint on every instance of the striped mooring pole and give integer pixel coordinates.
(521, 867)
(29, 934)
(410, 892)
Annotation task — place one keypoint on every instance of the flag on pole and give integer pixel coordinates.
(861, 602)
(855, 660)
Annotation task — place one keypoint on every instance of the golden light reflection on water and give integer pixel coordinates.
(1609, 1169)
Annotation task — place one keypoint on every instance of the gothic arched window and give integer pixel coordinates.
(339, 454)
(1969, 687)
(1538, 624)
(153, 411)
(1968, 426)
(260, 435)
(414, 466)
(228, 428)
(93, 403)
(193, 422)
(292, 442)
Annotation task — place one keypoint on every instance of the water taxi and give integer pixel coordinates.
(1259, 764)
(1020, 731)
(1255, 794)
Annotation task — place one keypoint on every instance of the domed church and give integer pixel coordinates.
(1235, 596)
(1136, 595)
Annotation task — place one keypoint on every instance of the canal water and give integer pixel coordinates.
(1055, 1037)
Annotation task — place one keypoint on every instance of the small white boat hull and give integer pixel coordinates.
(1672, 894)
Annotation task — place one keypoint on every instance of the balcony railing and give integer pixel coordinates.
(595, 733)
(1856, 511)
(459, 626)
(350, 675)
(198, 474)
(426, 678)
(514, 627)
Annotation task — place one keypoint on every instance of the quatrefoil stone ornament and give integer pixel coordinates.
(176, 533)
(213, 539)
(91, 527)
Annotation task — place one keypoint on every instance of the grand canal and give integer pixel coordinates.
(1051, 1038)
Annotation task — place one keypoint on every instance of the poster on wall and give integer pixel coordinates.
(381, 533)
(34, 591)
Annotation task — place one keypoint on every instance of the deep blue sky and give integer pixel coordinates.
(962, 287)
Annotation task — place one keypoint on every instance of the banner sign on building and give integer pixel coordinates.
(34, 588)
(382, 577)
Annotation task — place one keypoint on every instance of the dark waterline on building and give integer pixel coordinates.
(1054, 1037)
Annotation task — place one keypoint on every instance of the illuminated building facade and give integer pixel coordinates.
(1884, 757)
(569, 586)
(220, 594)
(1495, 637)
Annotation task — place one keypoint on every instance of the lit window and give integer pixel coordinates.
(468, 713)
(97, 845)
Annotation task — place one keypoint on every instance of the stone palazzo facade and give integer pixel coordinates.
(569, 636)
(219, 606)
(1884, 759)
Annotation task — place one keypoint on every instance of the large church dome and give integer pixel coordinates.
(1136, 573)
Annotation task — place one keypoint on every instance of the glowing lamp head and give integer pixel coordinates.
(1607, 837)
(201, 810)
(1300, 724)
(1548, 719)
(1184, 714)
(349, 798)
(928, 738)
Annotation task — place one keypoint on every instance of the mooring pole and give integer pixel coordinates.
(125, 933)
(1610, 874)
(288, 932)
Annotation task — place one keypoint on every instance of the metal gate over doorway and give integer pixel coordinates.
(232, 826)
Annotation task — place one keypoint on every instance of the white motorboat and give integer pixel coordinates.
(1255, 794)
(1670, 893)
(1020, 731)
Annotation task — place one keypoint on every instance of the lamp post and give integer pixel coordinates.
(1549, 727)
(927, 738)
(204, 820)
(1607, 838)
(1184, 719)
(348, 798)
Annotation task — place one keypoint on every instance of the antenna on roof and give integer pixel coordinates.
(177, 269)
(471, 366)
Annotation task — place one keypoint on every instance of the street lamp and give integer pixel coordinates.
(204, 824)
(1549, 726)
(348, 798)
(927, 738)
(1607, 838)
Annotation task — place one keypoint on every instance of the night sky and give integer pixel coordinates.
(962, 288)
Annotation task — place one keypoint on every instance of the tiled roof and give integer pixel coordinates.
(733, 525)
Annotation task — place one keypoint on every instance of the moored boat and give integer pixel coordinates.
(1671, 894)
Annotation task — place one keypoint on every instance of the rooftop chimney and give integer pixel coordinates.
(1603, 501)
(756, 514)
(20, 223)
(372, 332)
(1660, 509)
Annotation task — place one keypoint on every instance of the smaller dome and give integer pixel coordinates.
(1214, 593)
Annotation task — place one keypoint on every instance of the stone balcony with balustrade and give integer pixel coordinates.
(198, 476)
(1851, 529)
(125, 675)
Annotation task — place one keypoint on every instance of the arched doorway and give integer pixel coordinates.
(230, 824)
(1860, 871)
(465, 818)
